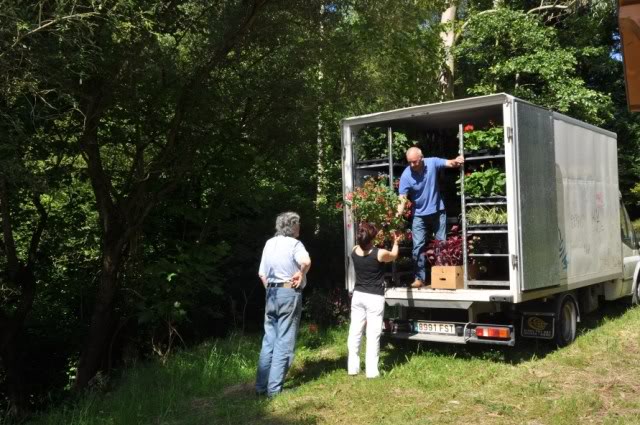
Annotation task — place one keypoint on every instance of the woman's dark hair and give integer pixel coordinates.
(366, 234)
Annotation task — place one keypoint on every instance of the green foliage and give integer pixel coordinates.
(635, 191)
(484, 215)
(513, 51)
(373, 144)
(325, 307)
(483, 183)
(475, 140)
(177, 282)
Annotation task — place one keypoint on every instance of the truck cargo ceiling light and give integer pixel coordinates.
(629, 22)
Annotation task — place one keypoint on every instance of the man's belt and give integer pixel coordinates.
(286, 284)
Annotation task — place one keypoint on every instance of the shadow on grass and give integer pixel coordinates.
(314, 369)
(399, 351)
(238, 404)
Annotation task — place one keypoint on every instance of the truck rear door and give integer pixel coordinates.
(536, 197)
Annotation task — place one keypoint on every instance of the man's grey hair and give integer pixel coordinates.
(285, 223)
(414, 149)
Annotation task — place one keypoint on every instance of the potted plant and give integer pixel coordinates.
(484, 183)
(377, 203)
(483, 142)
(446, 259)
(373, 144)
(494, 217)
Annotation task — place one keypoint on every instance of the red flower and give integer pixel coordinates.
(339, 205)
(468, 127)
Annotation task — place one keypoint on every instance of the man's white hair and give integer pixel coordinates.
(414, 150)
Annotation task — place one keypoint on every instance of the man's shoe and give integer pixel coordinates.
(417, 284)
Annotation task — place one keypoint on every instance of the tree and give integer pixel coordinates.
(528, 62)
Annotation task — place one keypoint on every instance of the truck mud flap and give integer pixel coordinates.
(537, 325)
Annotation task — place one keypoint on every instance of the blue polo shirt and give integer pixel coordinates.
(422, 188)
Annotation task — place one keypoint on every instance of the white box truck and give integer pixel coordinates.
(567, 244)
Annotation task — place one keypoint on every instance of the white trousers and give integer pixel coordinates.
(366, 310)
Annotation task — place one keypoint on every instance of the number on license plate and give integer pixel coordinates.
(437, 328)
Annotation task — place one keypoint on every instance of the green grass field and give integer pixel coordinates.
(595, 380)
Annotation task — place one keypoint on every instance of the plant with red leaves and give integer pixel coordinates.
(447, 252)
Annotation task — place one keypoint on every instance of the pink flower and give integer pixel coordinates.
(468, 127)
(339, 205)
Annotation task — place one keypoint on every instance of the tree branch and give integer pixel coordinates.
(550, 6)
(37, 234)
(48, 23)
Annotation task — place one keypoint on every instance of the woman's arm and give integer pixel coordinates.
(386, 256)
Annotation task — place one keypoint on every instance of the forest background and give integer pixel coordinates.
(147, 146)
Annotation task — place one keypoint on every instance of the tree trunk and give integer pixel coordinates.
(102, 318)
(21, 277)
(10, 356)
(448, 40)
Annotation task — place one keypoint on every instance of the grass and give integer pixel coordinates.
(592, 381)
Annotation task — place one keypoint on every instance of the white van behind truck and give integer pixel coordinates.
(568, 243)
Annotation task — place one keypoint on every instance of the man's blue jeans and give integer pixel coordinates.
(423, 229)
(281, 321)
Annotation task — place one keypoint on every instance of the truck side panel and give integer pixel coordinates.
(588, 200)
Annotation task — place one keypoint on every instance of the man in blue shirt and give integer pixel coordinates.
(419, 183)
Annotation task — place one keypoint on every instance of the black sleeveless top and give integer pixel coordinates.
(369, 272)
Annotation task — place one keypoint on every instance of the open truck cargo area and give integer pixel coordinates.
(564, 243)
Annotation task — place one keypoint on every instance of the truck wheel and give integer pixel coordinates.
(635, 298)
(566, 321)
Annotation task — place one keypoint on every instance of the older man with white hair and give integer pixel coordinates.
(419, 183)
(283, 269)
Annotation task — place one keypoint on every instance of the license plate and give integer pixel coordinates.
(436, 328)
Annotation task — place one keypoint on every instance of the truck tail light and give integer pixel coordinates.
(493, 332)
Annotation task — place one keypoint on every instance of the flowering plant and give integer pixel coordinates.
(376, 203)
(476, 140)
(447, 252)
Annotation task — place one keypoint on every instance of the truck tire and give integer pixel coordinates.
(566, 320)
(635, 298)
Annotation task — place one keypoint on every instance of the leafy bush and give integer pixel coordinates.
(635, 192)
(326, 307)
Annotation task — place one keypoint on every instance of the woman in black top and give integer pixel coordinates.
(367, 304)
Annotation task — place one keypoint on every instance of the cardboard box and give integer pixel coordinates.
(447, 277)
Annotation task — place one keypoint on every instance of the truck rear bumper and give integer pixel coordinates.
(466, 333)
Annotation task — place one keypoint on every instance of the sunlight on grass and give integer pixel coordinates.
(591, 381)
